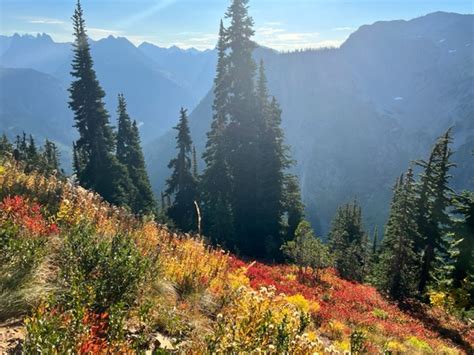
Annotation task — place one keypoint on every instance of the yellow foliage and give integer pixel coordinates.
(260, 321)
(395, 347)
(418, 345)
(303, 304)
(335, 330)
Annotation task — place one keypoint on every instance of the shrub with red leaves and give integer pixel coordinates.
(96, 340)
(26, 215)
(354, 304)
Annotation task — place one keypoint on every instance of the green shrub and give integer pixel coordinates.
(307, 250)
(19, 260)
(102, 273)
(380, 314)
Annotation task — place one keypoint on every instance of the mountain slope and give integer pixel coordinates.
(356, 116)
(36, 103)
(154, 95)
(81, 276)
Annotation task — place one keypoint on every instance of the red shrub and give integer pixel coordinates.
(26, 215)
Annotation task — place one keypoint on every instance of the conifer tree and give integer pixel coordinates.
(5, 146)
(433, 203)
(195, 164)
(242, 131)
(463, 230)
(272, 162)
(399, 264)
(130, 154)
(94, 161)
(50, 159)
(216, 180)
(293, 206)
(348, 242)
(182, 184)
(243, 185)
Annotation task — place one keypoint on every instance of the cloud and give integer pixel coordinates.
(98, 33)
(43, 20)
(277, 37)
(268, 30)
(343, 29)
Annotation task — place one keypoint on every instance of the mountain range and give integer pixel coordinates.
(354, 116)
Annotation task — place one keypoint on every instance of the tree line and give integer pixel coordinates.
(428, 242)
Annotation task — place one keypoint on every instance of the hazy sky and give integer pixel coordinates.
(280, 24)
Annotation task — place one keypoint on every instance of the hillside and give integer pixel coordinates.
(81, 275)
(155, 89)
(389, 91)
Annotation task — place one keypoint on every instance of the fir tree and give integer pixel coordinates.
(398, 265)
(463, 230)
(242, 131)
(272, 161)
(129, 154)
(6, 148)
(94, 161)
(292, 205)
(348, 242)
(307, 250)
(434, 200)
(182, 184)
(50, 159)
(216, 179)
(195, 164)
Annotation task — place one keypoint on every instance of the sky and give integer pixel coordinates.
(279, 24)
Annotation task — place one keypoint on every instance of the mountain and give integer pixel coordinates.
(36, 103)
(356, 116)
(192, 68)
(38, 52)
(155, 92)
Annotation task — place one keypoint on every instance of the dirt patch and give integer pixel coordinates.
(12, 334)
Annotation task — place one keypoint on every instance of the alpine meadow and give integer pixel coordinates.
(236, 177)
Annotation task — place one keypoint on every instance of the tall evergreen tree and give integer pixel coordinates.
(463, 229)
(293, 206)
(272, 162)
(348, 242)
(5, 146)
(434, 200)
(216, 180)
(242, 132)
(95, 163)
(182, 184)
(129, 154)
(50, 159)
(245, 179)
(399, 264)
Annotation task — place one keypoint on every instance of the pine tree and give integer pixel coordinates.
(195, 164)
(216, 180)
(182, 184)
(129, 154)
(434, 200)
(293, 207)
(242, 131)
(463, 230)
(348, 242)
(6, 148)
(272, 162)
(244, 182)
(30, 154)
(94, 161)
(398, 266)
(375, 242)
(50, 159)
